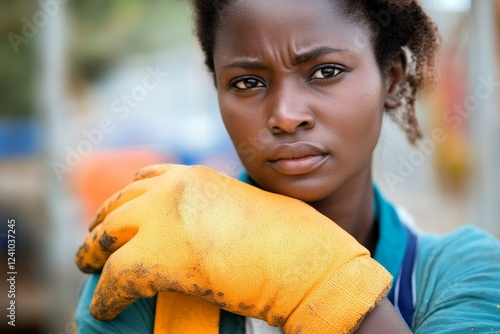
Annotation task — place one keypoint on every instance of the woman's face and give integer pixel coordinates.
(300, 93)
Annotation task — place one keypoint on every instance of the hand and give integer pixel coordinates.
(200, 233)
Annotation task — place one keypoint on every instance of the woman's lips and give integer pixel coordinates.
(297, 166)
(297, 158)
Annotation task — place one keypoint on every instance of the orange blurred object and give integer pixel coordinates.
(103, 173)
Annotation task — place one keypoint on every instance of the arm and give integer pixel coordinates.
(200, 233)
(383, 319)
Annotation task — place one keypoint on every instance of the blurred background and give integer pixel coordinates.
(92, 90)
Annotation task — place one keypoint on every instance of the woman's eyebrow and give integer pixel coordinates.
(315, 53)
(304, 57)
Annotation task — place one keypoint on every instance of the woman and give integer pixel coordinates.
(302, 88)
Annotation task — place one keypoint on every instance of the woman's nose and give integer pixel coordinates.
(289, 110)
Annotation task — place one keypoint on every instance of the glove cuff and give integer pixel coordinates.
(340, 302)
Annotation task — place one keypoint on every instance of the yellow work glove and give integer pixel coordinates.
(200, 233)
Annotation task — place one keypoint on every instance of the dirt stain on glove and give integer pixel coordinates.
(207, 295)
(81, 261)
(106, 241)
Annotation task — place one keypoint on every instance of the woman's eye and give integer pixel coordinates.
(326, 72)
(248, 83)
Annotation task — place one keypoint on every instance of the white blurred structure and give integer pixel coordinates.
(484, 60)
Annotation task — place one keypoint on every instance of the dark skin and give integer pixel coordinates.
(303, 105)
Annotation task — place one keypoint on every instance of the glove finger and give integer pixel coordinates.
(130, 192)
(152, 171)
(115, 231)
(122, 282)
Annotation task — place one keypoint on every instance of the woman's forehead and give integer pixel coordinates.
(287, 26)
(279, 13)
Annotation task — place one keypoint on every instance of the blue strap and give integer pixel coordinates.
(401, 295)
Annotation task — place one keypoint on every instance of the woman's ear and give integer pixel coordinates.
(396, 77)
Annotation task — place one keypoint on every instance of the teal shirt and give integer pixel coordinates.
(458, 283)
(456, 276)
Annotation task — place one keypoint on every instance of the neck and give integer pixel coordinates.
(351, 207)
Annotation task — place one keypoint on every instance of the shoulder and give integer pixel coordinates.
(466, 248)
(137, 318)
(457, 282)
